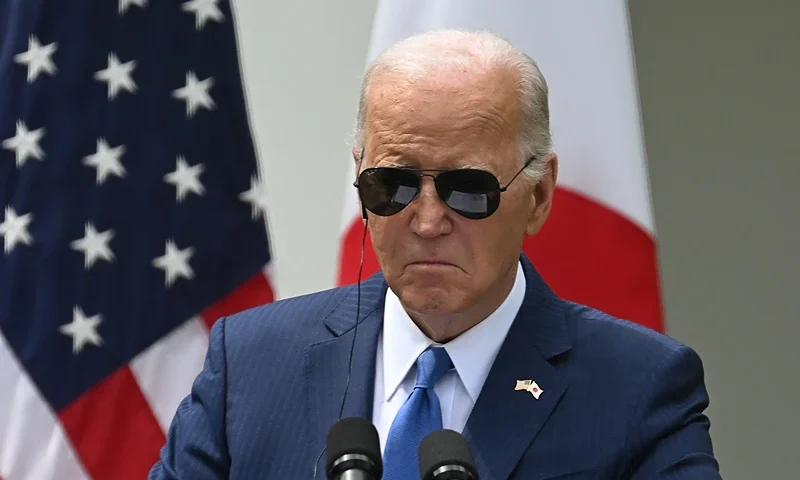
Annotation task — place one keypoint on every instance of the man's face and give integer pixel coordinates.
(436, 261)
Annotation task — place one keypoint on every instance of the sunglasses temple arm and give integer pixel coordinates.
(512, 179)
(530, 160)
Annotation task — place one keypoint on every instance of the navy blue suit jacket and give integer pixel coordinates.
(618, 401)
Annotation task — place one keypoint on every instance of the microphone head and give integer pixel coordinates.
(446, 454)
(353, 442)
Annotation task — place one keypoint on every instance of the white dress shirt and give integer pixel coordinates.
(400, 343)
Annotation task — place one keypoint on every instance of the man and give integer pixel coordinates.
(457, 330)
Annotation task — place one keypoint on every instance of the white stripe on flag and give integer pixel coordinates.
(351, 210)
(270, 274)
(33, 444)
(165, 371)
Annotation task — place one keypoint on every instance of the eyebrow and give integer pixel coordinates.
(414, 166)
(409, 162)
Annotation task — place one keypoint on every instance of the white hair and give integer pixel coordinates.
(414, 58)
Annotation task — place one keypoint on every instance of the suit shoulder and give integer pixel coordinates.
(295, 318)
(618, 340)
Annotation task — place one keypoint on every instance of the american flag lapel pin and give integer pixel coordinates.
(529, 386)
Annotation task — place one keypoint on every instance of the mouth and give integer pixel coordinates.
(432, 263)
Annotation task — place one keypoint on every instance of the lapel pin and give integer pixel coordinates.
(529, 386)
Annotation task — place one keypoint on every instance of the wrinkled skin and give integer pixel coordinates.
(451, 272)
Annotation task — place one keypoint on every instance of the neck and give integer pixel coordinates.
(442, 328)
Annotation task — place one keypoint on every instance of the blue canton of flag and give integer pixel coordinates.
(130, 204)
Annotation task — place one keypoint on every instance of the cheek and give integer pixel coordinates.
(499, 238)
(385, 235)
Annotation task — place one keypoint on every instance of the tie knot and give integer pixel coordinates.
(432, 364)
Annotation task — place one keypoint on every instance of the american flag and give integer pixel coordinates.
(132, 214)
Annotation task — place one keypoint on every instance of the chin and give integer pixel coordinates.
(431, 299)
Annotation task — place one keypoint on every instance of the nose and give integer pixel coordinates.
(430, 216)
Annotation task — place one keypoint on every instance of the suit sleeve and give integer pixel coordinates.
(671, 435)
(196, 448)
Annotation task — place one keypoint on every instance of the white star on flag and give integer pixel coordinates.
(25, 144)
(14, 229)
(117, 75)
(256, 197)
(82, 329)
(175, 263)
(195, 93)
(185, 178)
(124, 4)
(203, 10)
(37, 58)
(94, 245)
(106, 161)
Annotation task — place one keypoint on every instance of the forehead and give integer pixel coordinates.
(448, 119)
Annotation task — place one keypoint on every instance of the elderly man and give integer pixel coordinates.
(457, 330)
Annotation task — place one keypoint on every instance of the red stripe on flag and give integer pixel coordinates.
(254, 292)
(592, 255)
(113, 429)
(350, 254)
(586, 252)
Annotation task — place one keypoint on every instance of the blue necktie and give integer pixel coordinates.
(419, 416)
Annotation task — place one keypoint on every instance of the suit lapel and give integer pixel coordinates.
(326, 363)
(505, 421)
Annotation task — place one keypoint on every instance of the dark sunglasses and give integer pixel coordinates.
(470, 192)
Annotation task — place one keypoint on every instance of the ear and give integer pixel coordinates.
(358, 154)
(542, 200)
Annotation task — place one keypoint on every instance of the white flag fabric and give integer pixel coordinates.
(598, 246)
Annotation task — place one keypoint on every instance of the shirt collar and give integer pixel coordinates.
(473, 352)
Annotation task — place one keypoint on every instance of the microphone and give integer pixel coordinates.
(354, 451)
(445, 455)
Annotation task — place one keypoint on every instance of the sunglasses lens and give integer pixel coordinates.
(386, 191)
(474, 194)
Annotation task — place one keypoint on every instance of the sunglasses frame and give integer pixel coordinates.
(426, 172)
